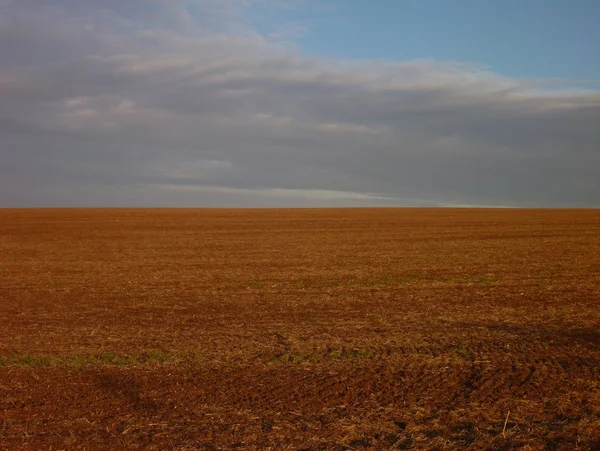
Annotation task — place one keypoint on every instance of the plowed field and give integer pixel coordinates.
(300, 329)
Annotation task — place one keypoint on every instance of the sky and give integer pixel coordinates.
(299, 103)
(518, 38)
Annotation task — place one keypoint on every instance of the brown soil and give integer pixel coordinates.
(300, 329)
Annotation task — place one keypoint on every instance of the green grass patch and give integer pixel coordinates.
(88, 360)
(486, 280)
(30, 360)
(156, 356)
(462, 351)
(114, 359)
(77, 361)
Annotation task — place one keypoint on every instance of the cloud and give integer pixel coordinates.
(184, 103)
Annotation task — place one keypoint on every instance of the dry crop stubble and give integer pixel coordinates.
(300, 329)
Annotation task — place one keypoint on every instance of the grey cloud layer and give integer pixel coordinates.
(137, 103)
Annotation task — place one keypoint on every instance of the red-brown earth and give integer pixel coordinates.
(300, 329)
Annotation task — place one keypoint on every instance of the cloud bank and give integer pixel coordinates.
(183, 103)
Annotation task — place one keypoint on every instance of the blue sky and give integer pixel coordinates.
(285, 103)
(524, 38)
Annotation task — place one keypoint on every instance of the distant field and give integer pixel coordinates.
(300, 329)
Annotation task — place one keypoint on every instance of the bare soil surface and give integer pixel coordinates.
(300, 329)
